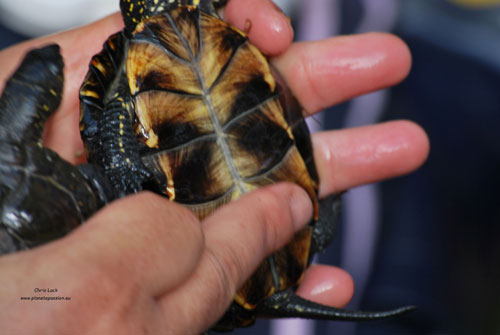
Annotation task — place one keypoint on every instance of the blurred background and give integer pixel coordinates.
(430, 238)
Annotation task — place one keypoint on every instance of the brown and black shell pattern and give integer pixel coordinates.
(212, 118)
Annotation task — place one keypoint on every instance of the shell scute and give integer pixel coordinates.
(198, 171)
(257, 142)
(219, 42)
(149, 67)
(174, 119)
(245, 83)
(176, 31)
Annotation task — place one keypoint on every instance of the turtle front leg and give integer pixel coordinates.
(119, 149)
(106, 119)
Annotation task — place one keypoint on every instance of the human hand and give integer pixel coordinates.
(146, 265)
(320, 74)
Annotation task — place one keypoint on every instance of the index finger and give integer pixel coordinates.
(324, 73)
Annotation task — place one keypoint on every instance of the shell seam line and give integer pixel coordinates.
(270, 171)
(221, 136)
(248, 112)
(143, 39)
(183, 145)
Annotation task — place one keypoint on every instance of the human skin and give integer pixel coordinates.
(133, 268)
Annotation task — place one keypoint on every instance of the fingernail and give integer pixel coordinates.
(301, 208)
(248, 26)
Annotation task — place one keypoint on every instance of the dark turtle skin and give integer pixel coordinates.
(42, 197)
(182, 104)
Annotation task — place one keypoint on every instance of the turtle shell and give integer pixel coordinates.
(215, 123)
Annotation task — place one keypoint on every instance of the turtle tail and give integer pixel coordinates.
(287, 304)
(31, 95)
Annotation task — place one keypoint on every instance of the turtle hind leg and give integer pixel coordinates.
(325, 227)
(286, 304)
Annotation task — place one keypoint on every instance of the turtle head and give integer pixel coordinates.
(135, 11)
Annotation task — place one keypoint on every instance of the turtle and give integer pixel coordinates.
(180, 103)
(42, 196)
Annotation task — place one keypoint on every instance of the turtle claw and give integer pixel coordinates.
(127, 179)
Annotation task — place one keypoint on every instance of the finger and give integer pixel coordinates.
(238, 237)
(324, 73)
(352, 157)
(327, 285)
(266, 25)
